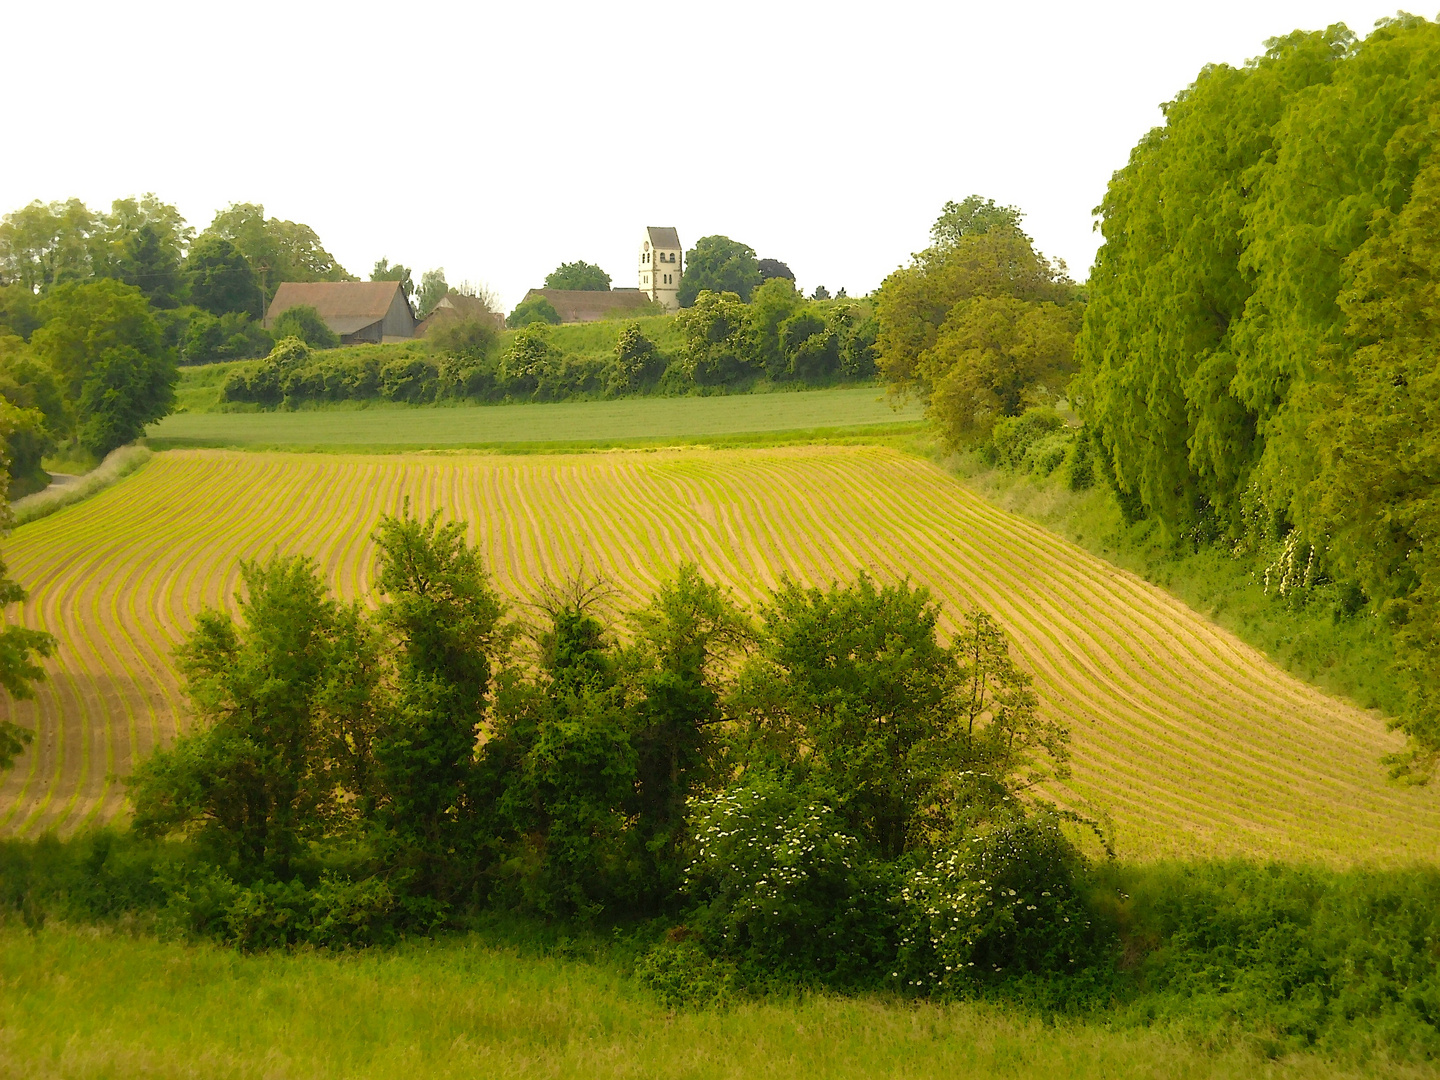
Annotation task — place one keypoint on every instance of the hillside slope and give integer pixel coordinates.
(1189, 741)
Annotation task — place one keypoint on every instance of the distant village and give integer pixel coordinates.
(361, 312)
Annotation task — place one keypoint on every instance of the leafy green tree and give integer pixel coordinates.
(252, 781)
(276, 250)
(820, 293)
(26, 439)
(232, 336)
(718, 264)
(993, 357)
(103, 343)
(43, 244)
(719, 341)
(304, 322)
(528, 359)
(444, 616)
(142, 243)
(971, 217)
(20, 648)
(18, 312)
(433, 289)
(578, 275)
(534, 310)
(221, 280)
(27, 382)
(914, 302)
(471, 338)
(774, 268)
(811, 350)
(771, 304)
(383, 271)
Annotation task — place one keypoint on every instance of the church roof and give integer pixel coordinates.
(665, 239)
(587, 305)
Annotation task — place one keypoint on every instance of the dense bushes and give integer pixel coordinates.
(724, 345)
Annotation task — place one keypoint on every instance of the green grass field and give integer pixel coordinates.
(91, 1003)
(629, 421)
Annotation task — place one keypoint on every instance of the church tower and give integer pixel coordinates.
(662, 261)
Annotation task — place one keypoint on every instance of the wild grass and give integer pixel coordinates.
(622, 422)
(94, 1002)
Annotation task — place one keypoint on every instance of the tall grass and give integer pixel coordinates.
(82, 1002)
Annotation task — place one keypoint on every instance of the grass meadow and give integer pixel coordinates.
(94, 1003)
(800, 416)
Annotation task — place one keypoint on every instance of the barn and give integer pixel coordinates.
(359, 311)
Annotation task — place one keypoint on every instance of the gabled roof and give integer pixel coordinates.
(349, 304)
(587, 305)
(666, 239)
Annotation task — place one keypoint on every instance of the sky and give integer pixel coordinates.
(497, 140)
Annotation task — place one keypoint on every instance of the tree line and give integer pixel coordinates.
(1257, 362)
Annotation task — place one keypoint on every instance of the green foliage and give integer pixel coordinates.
(383, 271)
(231, 336)
(104, 345)
(534, 310)
(304, 322)
(578, 275)
(637, 361)
(221, 280)
(433, 289)
(44, 244)
(774, 268)
(1257, 327)
(277, 250)
(718, 264)
(140, 242)
(718, 347)
(979, 325)
(20, 648)
(19, 316)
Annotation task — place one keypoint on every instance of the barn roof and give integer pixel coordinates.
(666, 239)
(346, 306)
(587, 305)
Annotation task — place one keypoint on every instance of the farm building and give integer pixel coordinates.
(458, 306)
(662, 261)
(359, 311)
(588, 305)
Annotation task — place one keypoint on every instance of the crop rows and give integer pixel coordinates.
(1187, 741)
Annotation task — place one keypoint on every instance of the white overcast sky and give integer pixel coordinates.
(498, 140)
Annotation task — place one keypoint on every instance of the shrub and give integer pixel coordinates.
(637, 362)
(232, 336)
(471, 339)
(304, 322)
(782, 888)
(998, 904)
(408, 379)
(682, 975)
(535, 310)
(1012, 436)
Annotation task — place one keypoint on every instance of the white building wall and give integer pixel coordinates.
(660, 271)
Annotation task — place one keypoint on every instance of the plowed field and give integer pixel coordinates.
(1189, 741)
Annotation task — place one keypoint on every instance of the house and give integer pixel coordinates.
(588, 305)
(455, 305)
(662, 261)
(359, 311)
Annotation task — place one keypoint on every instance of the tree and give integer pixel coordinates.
(534, 310)
(774, 268)
(304, 322)
(718, 264)
(528, 359)
(432, 290)
(444, 616)
(972, 217)
(103, 343)
(43, 244)
(821, 293)
(277, 250)
(221, 280)
(914, 302)
(993, 357)
(719, 346)
(253, 780)
(773, 302)
(18, 311)
(231, 336)
(20, 648)
(578, 275)
(142, 242)
(383, 271)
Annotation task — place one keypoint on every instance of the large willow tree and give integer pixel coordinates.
(1260, 345)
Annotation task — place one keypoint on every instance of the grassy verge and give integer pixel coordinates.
(1348, 655)
(119, 463)
(81, 1002)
